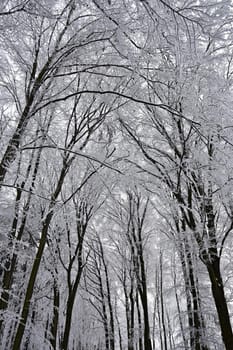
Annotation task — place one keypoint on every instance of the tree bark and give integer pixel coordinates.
(220, 303)
(140, 342)
(69, 309)
(54, 326)
(37, 261)
(31, 283)
(11, 263)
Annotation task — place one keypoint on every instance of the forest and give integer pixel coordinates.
(116, 174)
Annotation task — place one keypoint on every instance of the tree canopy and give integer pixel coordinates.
(116, 209)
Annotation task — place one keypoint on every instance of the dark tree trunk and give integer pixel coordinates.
(139, 325)
(143, 295)
(54, 325)
(147, 341)
(109, 300)
(11, 263)
(131, 326)
(162, 302)
(69, 309)
(129, 310)
(105, 322)
(220, 302)
(30, 287)
(195, 316)
(198, 322)
(37, 261)
(13, 145)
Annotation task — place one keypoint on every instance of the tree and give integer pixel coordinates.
(97, 284)
(191, 185)
(87, 124)
(46, 63)
(129, 217)
(83, 213)
(115, 174)
(178, 138)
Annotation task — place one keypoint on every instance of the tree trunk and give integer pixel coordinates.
(164, 328)
(31, 283)
(11, 264)
(109, 300)
(69, 309)
(129, 311)
(37, 260)
(13, 145)
(185, 342)
(195, 316)
(140, 343)
(220, 303)
(54, 326)
(147, 341)
(144, 301)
